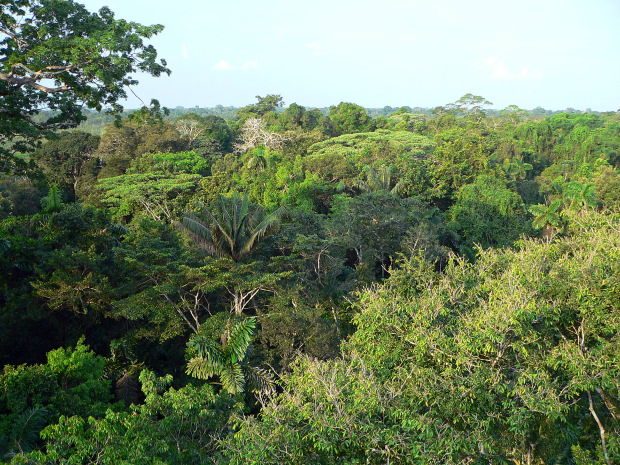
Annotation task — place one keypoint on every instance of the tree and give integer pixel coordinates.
(512, 359)
(227, 358)
(263, 107)
(172, 426)
(547, 216)
(59, 56)
(253, 134)
(349, 118)
(379, 180)
(489, 214)
(63, 159)
(343, 158)
(471, 105)
(232, 227)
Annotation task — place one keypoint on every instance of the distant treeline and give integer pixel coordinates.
(96, 122)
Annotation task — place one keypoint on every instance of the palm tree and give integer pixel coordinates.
(231, 227)
(547, 216)
(516, 169)
(379, 180)
(227, 359)
(257, 159)
(53, 202)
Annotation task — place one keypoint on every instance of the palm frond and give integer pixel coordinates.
(202, 368)
(262, 228)
(232, 378)
(258, 380)
(5, 245)
(27, 428)
(206, 348)
(239, 340)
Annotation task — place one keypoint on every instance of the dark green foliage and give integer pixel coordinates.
(231, 227)
(65, 160)
(26, 429)
(18, 196)
(57, 280)
(349, 118)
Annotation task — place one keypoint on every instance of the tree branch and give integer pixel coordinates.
(42, 127)
(600, 427)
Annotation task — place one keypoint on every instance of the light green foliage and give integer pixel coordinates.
(485, 363)
(343, 158)
(472, 106)
(53, 201)
(242, 282)
(607, 187)
(156, 185)
(547, 216)
(516, 169)
(71, 383)
(488, 214)
(157, 194)
(459, 158)
(137, 136)
(173, 427)
(404, 120)
(180, 162)
(270, 178)
(379, 180)
(263, 107)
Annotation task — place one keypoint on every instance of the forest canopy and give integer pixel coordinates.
(282, 284)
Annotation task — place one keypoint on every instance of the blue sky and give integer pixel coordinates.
(550, 53)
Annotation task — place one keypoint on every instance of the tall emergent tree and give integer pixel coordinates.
(56, 55)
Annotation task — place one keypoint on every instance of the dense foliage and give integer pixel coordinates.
(277, 284)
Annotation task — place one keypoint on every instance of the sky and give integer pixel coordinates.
(556, 54)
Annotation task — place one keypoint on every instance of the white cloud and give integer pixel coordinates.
(184, 51)
(498, 69)
(224, 65)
